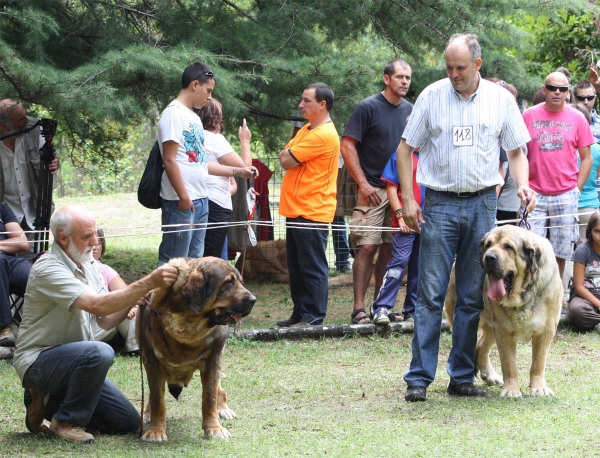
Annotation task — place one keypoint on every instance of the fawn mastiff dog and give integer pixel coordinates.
(183, 330)
(522, 293)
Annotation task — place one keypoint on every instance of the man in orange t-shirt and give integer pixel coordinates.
(308, 201)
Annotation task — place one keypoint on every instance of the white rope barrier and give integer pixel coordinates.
(132, 231)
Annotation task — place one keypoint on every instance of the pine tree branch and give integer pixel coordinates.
(130, 9)
(239, 10)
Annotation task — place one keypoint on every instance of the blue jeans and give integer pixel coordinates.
(453, 226)
(405, 253)
(340, 244)
(74, 375)
(182, 241)
(309, 271)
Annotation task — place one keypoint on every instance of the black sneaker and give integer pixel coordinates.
(465, 389)
(416, 394)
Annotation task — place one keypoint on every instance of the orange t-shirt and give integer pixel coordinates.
(309, 191)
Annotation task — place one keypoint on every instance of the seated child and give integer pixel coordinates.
(113, 281)
(584, 305)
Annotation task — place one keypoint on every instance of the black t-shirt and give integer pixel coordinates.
(377, 126)
(6, 216)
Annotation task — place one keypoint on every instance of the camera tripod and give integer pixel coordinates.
(44, 198)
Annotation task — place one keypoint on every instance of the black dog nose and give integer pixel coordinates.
(491, 257)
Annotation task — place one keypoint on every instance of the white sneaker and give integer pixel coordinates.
(381, 317)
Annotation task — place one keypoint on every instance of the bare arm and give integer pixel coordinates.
(519, 169)
(174, 175)
(227, 171)
(580, 289)
(287, 160)
(245, 137)
(395, 204)
(412, 212)
(110, 321)
(586, 166)
(103, 305)
(352, 163)
(15, 241)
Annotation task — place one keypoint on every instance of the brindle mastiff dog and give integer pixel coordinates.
(522, 293)
(183, 330)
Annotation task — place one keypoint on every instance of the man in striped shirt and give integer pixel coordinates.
(459, 123)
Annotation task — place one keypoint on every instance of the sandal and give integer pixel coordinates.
(393, 316)
(362, 319)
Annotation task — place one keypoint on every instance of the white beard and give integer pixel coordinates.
(76, 256)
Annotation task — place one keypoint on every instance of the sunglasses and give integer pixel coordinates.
(207, 74)
(581, 98)
(553, 88)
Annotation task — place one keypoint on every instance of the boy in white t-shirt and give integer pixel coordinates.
(184, 199)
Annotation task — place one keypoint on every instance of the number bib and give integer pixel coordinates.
(462, 135)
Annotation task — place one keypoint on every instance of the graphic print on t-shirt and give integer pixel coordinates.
(592, 277)
(193, 139)
(551, 141)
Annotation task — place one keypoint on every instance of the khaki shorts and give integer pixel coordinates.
(366, 215)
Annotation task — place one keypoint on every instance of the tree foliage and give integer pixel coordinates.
(566, 39)
(101, 66)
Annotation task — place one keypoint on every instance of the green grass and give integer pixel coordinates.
(344, 398)
(334, 397)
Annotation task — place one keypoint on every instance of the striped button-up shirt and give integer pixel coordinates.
(460, 139)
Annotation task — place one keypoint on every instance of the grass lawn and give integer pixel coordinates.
(331, 397)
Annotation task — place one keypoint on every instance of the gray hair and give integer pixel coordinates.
(472, 42)
(7, 107)
(62, 221)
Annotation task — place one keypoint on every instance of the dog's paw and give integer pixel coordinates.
(155, 435)
(227, 414)
(542, 391)
(492, 378)
(216, 433)
(511, 392)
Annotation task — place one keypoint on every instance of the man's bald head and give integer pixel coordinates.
(471, 41)
(557, 79)
(556, 91)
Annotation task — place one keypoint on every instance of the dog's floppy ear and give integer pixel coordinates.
(482, 248)
(196, 289)
(532, 254)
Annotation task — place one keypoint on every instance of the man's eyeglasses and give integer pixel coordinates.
(207, 74)
(581, 98)
(553, 88)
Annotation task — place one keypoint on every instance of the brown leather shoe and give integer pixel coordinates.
(34, 418)
(70, 432)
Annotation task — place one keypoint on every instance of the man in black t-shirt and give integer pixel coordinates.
(14, 271)
(373, 133)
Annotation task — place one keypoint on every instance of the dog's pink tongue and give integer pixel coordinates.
(238, 320)
(496, 290)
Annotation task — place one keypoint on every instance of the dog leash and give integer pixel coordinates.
(141, 346)
(524, 222)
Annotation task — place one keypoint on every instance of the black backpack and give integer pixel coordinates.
(149, 188)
